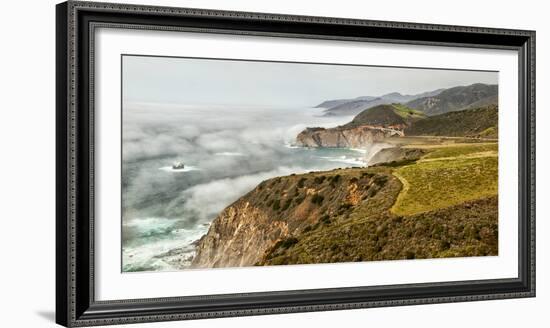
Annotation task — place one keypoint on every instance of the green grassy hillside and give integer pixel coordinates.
(434, 194)
(477, 122)
(386, 115)
(441, 204)
(457, 98)
(441, 179)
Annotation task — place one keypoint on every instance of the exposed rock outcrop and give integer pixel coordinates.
(346, 138)
(239, 236)
(280, 208)
(369, 126)
(396, 154)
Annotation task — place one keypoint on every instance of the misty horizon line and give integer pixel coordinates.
(129, 102)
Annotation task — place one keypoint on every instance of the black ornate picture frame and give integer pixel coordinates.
(75, 279)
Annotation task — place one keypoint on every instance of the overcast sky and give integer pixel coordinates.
(227, 82)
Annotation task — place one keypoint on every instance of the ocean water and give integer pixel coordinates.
(227, 151)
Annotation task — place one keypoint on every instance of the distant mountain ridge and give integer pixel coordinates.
(457, 98)
(430, 103)
(354, 106)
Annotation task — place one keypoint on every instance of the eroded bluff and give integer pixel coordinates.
(344, 137)
(279, 209)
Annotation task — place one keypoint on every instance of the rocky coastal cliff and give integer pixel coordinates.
(369, 126)
(341, 137)
(345, 215)
(280, 208)
(435, 197)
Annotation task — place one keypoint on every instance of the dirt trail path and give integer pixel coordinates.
(403, 191)
(406, 185)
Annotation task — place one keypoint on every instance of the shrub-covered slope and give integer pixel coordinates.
(476, 122)
(390, 211)
(386, 115)
(457, 98)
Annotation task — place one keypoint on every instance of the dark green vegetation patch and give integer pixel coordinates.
(477, 122)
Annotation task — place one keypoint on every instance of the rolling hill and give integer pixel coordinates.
(386, 115)
(430, 103)
(457, 98)
(434, 194)
(359, 104)
(386, 212)
(386, 121)
(371, 125)
(475, 122)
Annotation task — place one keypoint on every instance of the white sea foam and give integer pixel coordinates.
(352, 161)
(345, 159)
(292, 146)
(229, 153)
(187, 168)
(172, 250)
(359, 150)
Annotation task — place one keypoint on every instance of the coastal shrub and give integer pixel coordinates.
(288, 242)
(281, 260)
(334, 179)
(317, 199)
(353, 180)
(276, 204)
(345, 206)
(299, 199)
(287, 204)
(325, 219)
(382, 230)
(399, 163)
(380, 180)
(301, 182)
(367, 175)
(319, 179)
(437, 231)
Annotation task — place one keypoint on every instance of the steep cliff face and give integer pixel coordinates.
(341, 137)
(370, 126)
(280, 208)
(348, 215)
(239, 236)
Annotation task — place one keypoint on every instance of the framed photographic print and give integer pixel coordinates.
(214, 163)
